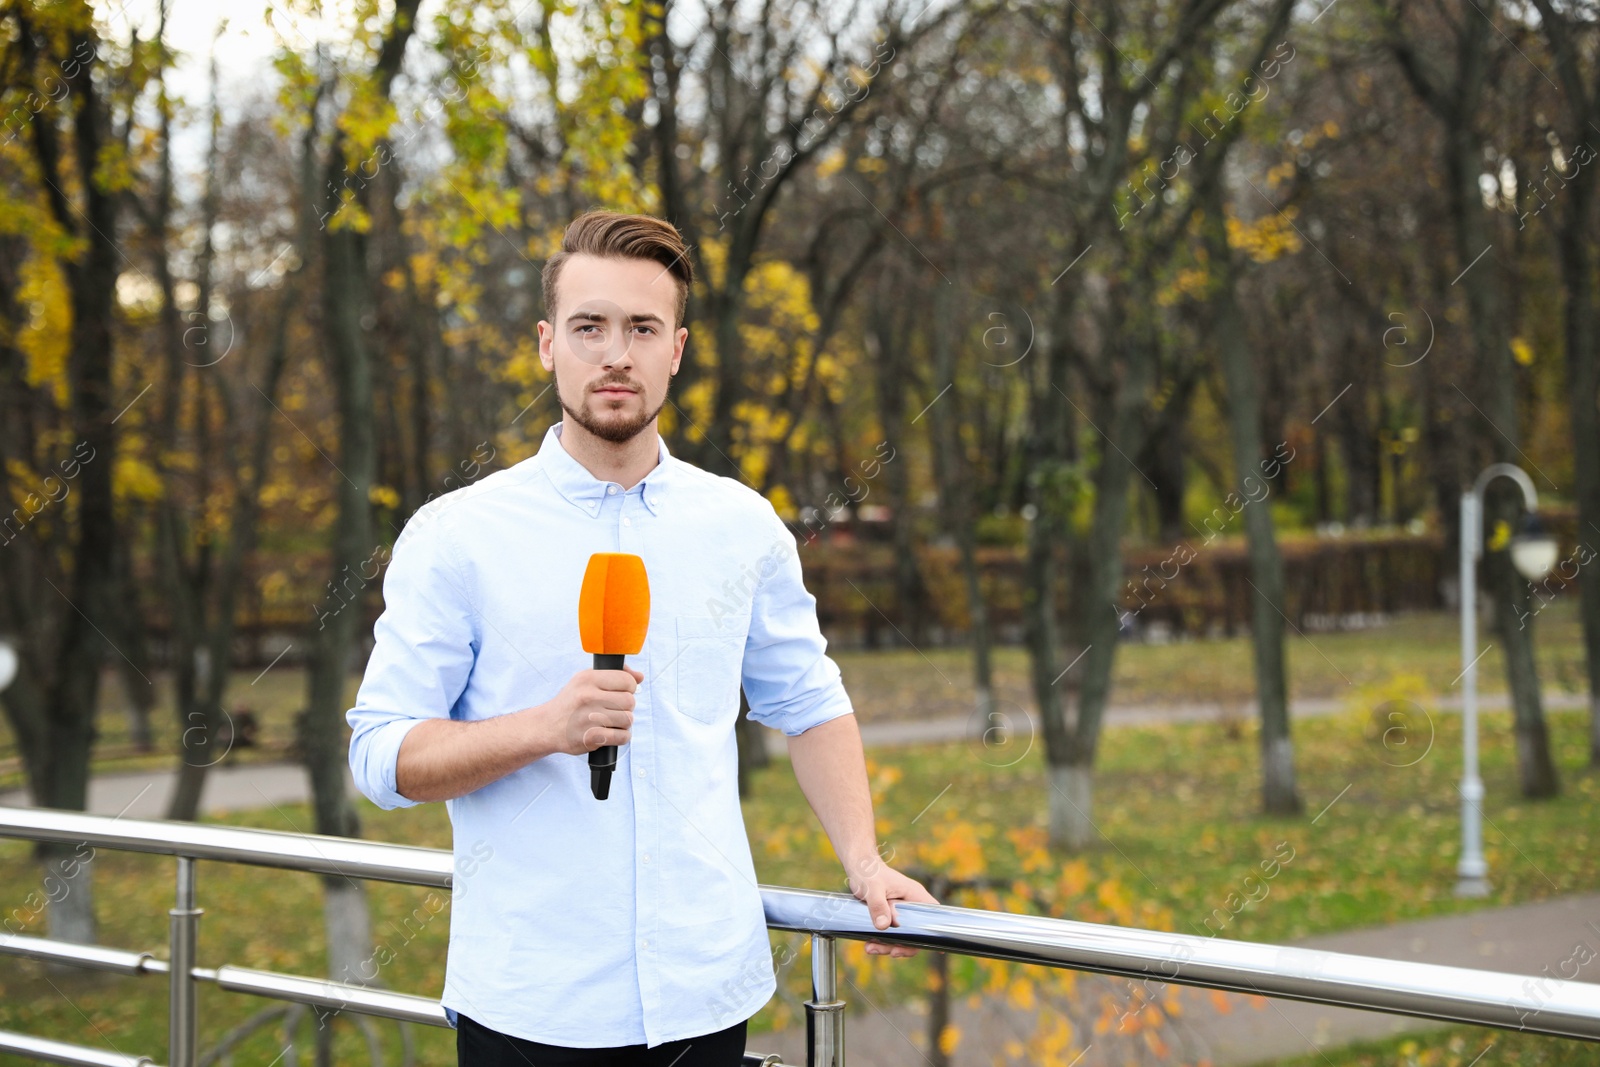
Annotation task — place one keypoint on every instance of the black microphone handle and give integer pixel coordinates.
(603, 760)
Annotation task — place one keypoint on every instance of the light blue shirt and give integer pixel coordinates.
(574, 921)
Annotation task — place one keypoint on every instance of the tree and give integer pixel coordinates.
(1279, 795)
(766, 131)
(1574, 237)
(1457, 100)
(200, 409)
(58, 562)
(345, 307)
(1104, 326)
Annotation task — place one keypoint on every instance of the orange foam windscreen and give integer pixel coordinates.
(614, 606)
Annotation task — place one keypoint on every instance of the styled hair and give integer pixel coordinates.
(614, 235)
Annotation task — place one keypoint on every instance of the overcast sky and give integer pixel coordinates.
(244, 50)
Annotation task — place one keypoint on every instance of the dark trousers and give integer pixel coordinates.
(479, 1046)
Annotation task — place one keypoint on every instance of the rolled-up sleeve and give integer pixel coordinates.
(791, 682)
(424, 646)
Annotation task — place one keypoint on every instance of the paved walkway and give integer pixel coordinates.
(144, 794)
(955, 729)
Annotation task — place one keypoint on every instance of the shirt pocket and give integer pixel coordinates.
(710, 663)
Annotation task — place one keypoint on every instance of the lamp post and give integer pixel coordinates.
(1533, 553)
(8, 663)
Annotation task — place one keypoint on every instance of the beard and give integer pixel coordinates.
(614, 428)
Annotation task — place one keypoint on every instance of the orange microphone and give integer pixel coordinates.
(613, 614)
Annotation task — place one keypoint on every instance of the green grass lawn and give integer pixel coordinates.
(1460, 1046)
(1176, 806)
(901, 684)
(908, 684)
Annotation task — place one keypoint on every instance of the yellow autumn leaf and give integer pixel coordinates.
(782, 502)
(1266, 238)
(134, 479)
(1500, 537)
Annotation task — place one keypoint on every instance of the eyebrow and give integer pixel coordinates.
(595, 316)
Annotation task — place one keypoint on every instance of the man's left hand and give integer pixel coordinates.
(879, 888)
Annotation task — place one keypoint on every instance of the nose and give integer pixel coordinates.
(619, 352)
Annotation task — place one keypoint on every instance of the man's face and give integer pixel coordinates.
(613, 349)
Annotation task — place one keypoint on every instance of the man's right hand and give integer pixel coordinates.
(441, 759)
(594, 709)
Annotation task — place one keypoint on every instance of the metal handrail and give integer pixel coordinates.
(406, 864)
(1451, 994)
(39, 1048)
(1397, 987)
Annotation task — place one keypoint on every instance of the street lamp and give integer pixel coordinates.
(1533, 549)
(1533, 553)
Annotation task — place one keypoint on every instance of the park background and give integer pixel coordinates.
(1118, 366)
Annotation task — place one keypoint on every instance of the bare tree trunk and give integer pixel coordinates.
(886, 348)
(1166, 457)
(1583, 384)
(187, 579)
(1068, 776)
(1279, 795)
(982, 640)
(954, 476)
(52, 702)
(1098, 618)
(1357, 444)
(1070, 746)
(345, 303)
(1324, 476)
(346, 307)
(133, 666)
(1582, 342)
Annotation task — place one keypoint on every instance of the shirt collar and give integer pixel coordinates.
(573, 480)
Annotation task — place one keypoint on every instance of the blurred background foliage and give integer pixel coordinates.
(1057, 332)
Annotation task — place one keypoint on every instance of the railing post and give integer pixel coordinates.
(182, 1019)
(824, 1011)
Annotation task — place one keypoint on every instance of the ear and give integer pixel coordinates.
(547, 357)
(677, 351)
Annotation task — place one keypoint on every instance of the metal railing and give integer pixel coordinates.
(1449, 994)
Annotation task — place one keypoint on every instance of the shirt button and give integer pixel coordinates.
(647, 857)
(611, 489)
(641, 772)
(627, 522)
(644, 942)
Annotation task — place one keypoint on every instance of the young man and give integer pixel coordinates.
(630, 930)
